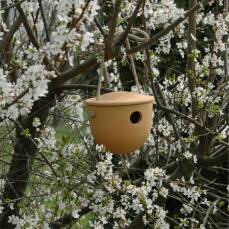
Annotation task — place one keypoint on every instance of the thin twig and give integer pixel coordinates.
(192, 120)
(33, 38)
(83, 11)
(8, 36)
(28, 28)
(13, 5)
(100, 78)
(44, 20)
(93, 63)
(83, 86)
(16, 99)
(35, 144)
(133, 67)
(163, 32)
(208, 212)
(100, 27)
(67, 219)
(122, 38)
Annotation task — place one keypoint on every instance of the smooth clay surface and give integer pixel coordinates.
(122, 126)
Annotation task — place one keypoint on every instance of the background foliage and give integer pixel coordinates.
(53, 175)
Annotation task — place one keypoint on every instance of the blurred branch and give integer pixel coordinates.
(75, 72)
(4, 43)
(44, 20)
(158, 93)
(113, 24)
(137, 223)
(190, 59)
(192, 120)
(28, 28)
(16, 99)
(93, 63)
(33, 38)
(217, 160)
(163, 32)
(124, 34)
(67, 219)
(13, 5)
(226, 63)
(83, 11)
(100, 27)
(83, 86)
(208, 212)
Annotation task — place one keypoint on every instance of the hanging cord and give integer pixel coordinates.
(106, 76)
(134, 37)
(133, 67)
(103, 67)
(100, 78)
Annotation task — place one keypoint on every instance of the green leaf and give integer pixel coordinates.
(26, 133)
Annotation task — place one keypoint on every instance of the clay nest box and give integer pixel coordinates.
(121, 121)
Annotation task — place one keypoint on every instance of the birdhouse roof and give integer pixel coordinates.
(120, 98)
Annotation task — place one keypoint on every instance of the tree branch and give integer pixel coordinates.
(93, 63)
(16, 99)
(83, 11)
(192, 120)
(100, 27)
(83, 86)
(163, 32)
(12, 5)
(217, 160)
(114, 20)
(44, 20)
(137, 223)
(28, 28)
(190, 59)
(4, 43)
(33, 38)
(157, 91)
(75, 71)
(124, 34)
(67, 219)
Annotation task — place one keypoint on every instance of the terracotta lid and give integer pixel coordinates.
(119, 98)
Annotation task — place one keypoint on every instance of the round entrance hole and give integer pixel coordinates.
(135, 117)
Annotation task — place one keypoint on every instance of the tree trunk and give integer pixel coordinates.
(21, 163)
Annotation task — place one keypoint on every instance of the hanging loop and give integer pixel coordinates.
(103, 68)
(133, 67)
(100, 78)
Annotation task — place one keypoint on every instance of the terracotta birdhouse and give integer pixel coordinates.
(121, 121)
